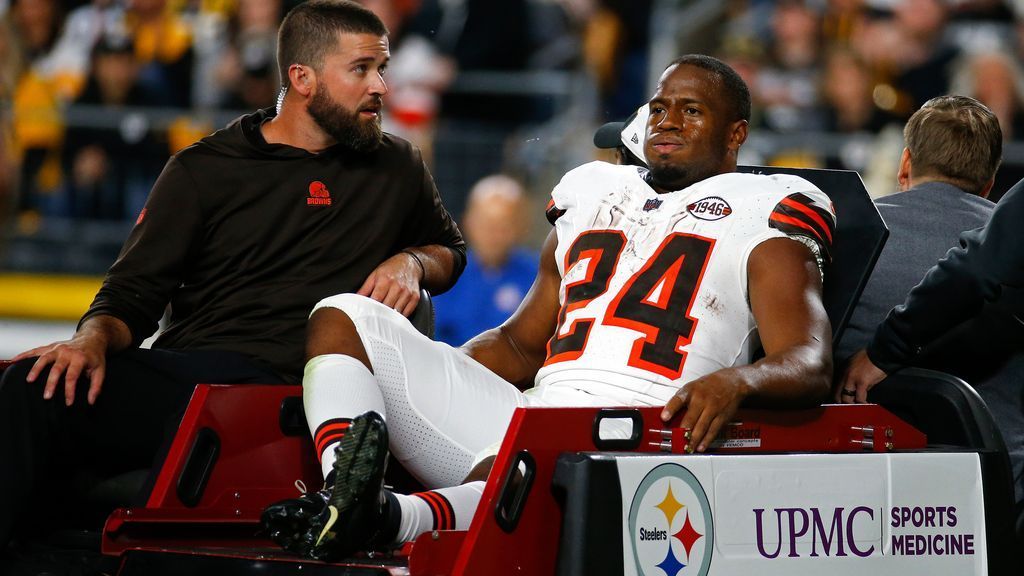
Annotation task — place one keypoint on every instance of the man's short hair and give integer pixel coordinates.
(956, 139)
(733, 86)
(310, 31)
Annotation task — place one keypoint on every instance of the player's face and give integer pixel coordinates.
(347, 101)
(691, 132)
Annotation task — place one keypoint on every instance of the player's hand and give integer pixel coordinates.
(395, 283)
(69, 360)
(861, 375)
(710, 403)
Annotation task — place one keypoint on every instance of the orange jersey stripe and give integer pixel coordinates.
(795, 222)
(810, 214)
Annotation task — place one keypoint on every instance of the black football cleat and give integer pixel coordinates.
(296, 523)
(357, 496)
(347, 516)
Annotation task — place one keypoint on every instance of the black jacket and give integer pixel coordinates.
(243, 238)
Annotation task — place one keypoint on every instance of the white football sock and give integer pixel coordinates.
(335, 389)
(442, 509)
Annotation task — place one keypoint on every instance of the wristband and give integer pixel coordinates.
(423, 270)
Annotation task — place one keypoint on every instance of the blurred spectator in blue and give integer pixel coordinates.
(498, 271)
(109, 170)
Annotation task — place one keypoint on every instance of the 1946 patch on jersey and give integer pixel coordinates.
(710, 208)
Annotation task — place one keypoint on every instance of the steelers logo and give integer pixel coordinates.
(670, 524)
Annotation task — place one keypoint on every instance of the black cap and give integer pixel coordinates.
(609, 135)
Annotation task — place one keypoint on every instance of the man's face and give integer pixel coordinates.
(691, 132)
(348, 95)
(493, 225)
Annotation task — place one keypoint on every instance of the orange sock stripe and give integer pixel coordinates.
(443, 509)
(327, 442)
(329, 427)
(328, 433)
(434, 509)
(449, 512)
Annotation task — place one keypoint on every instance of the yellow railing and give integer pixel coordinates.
(46, 297)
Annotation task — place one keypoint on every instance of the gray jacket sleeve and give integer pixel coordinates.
(956, 288)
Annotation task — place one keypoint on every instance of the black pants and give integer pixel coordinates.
(51, 455)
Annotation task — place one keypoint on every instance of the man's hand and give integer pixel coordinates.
(84, 354)
(395, 283)
(710, 403)
(860, 376)
(70, 359)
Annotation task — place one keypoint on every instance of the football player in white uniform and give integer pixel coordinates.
(655, 288)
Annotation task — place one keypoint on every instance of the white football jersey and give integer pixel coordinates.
(654, 286)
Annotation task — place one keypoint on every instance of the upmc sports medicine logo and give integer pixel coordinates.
(670, 524)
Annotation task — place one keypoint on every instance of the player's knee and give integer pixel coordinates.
(480, 471)
(332, 331)
(352, 304)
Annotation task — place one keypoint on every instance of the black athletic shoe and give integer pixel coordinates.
(348, 516)
(295, 524)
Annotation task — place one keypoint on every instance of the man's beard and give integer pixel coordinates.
(346, 127)
(670, 177)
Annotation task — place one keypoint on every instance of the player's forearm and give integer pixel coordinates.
(800, 376)
(498, 351)
(441, 266)
(108, 331)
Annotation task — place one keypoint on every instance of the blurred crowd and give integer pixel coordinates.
(95, 95)
(846, 67)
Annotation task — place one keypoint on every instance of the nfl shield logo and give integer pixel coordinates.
(652, 204)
